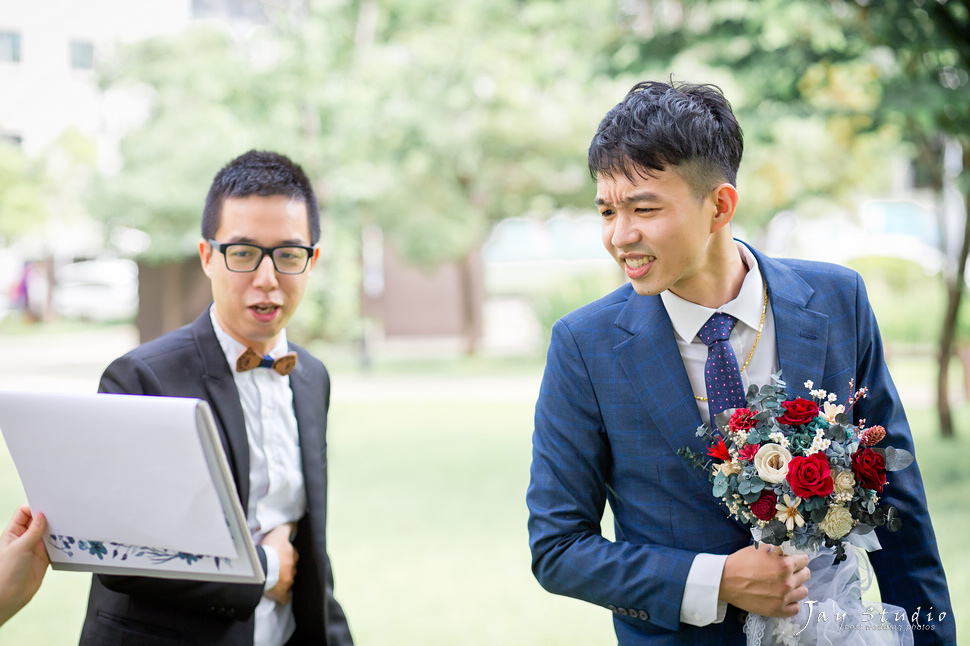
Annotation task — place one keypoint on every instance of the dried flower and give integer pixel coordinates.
(749, 451)
(830, 411)
(742, 419)
(719, 451)
(788, 512)
(872, 436)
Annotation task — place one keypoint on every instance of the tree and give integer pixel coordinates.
(21, 192)
(801, 79)
(430, 121)
(927, 95)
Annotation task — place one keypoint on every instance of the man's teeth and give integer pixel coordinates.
(264, 309)
(636, 263)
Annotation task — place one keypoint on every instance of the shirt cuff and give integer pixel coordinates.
(272, 568)
(700, 605)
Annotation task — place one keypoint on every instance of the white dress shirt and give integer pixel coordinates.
(700, 605)
(276, 489)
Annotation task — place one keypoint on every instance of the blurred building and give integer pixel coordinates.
(48, 51)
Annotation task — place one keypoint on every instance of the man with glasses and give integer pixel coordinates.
(269, 398)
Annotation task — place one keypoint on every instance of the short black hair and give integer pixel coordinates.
(659, 125)
(263, 173)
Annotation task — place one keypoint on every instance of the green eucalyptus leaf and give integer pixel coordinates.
(720, 485)
(774, 533)
(897, 459)
(893, 521)
(751, 496)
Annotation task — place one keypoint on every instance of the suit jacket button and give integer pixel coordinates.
(622, 611)
(231, 613)
(611, 608)
(643, 615)
(212, 610)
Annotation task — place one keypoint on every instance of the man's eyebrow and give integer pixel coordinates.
(289, 242)
(643, 196)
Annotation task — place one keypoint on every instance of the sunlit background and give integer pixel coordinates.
(446, 142)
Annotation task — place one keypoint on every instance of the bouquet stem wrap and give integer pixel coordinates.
(834, 614)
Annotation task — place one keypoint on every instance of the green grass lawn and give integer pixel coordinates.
(428, 534)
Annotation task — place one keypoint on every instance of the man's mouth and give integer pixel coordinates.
(265, 312)
(637, 266)
(636, 263)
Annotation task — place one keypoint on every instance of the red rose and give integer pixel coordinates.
(810, 476)
(798, 412)
(764, 507)
(869, 468)
(742, 419)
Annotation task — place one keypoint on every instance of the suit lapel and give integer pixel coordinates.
(655, 369)
(652, 363)
(801, 334)
(224, 400)
(307, 419)
(310, 403)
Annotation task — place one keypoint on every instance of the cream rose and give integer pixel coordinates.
(837, 522)
(843, 485)
(771, 461)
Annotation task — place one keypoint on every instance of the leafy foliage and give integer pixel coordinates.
(431, 121)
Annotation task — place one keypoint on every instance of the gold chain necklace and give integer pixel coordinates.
(761, 325)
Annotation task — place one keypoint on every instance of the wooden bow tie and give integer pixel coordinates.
(251, 359)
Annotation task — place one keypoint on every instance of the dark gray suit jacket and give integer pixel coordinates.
(143, 611)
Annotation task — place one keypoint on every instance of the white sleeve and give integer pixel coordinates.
(273, 568)
(700, 605)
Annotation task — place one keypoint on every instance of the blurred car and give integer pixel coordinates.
(97, 290)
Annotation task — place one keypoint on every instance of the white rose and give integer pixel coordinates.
(771, 461)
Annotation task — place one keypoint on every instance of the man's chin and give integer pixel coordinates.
(645, 289)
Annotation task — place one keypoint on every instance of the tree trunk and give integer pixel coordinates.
(954, 293)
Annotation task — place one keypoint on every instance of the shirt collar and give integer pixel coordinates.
(688, 318)
(233, 348)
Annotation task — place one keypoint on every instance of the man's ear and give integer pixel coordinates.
(205, 256)
(725, 198)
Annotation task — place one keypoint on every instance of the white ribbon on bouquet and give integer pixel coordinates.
(834, 613)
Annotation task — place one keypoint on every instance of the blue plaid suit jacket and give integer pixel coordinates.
(615, 405)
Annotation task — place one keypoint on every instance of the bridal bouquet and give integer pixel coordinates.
(808, 481)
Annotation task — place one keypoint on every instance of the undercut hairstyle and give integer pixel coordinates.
(686, 127)
(262, 173)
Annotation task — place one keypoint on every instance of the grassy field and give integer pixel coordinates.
(428, 520)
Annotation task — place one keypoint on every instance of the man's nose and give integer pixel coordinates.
(264, 276)
(625, 231)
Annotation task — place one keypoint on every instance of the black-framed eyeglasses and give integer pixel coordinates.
(243, 257)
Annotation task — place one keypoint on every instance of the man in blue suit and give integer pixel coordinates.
(624, 389)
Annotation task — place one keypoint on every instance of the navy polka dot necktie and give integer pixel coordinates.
(721, 372)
